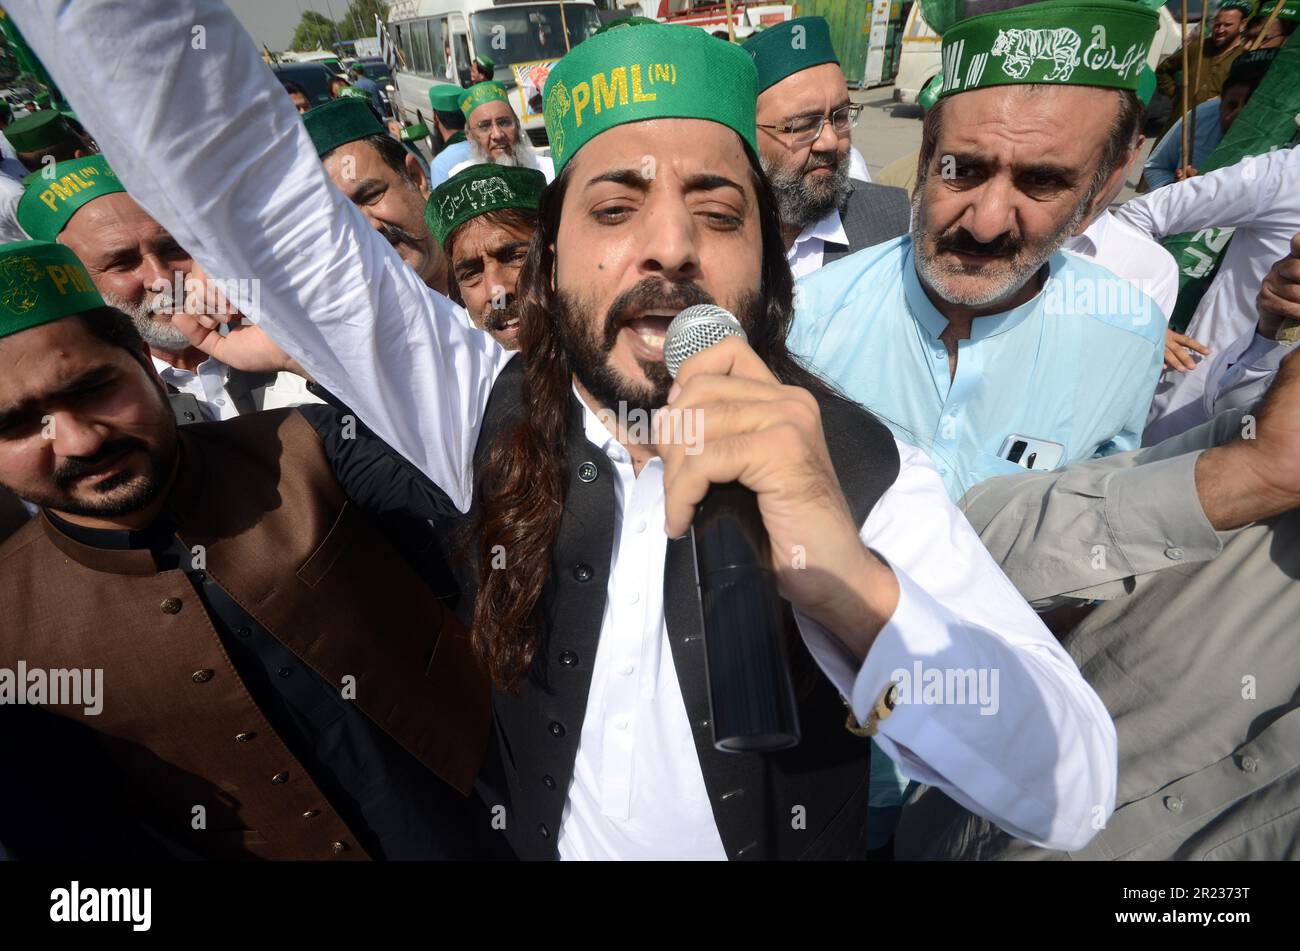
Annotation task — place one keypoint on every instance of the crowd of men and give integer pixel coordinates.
(322, 491)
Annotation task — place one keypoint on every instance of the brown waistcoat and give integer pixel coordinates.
(283, 541)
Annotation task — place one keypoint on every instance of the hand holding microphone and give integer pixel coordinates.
(761, 440)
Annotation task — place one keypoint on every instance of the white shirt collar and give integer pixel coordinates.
(829, 229)
(172, 374)
(1090, 241)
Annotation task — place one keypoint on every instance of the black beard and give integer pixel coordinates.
(800, 203)
(143, 487)
(587, 348)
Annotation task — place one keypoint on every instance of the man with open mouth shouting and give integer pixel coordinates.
(583, 595)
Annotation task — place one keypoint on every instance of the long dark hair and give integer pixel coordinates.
(520, 485)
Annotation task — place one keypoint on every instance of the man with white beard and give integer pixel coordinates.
(137, 267)
(494, 134)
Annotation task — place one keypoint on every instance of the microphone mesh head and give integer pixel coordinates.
(695, 328)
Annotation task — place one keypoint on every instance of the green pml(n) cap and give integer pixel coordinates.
(340, 121)
(478, 189)
(648, 72)
(480, 94)
(41, 282)
(790, 47)
(414, 133)
(1054, 42)
(52, 198)
(355, 92)
(485, 61)
(1247, 7)
(444, 97)
(39, 130)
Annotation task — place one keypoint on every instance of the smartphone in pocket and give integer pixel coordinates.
(1028, 452)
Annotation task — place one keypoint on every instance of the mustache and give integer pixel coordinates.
(74, 467)
(650, 294)
(1006, 244)
(497, 317)
(395, 235)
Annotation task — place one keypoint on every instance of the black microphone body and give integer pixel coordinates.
(751, 693)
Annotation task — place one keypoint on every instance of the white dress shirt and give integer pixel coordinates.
(1259, 197)
(207, 385)
(337, 296)
(805, 255)
(1131, 254)
(858, 165)
(11, 192)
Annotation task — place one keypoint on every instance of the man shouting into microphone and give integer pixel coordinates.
(584, 603)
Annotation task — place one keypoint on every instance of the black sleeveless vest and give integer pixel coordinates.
(754, 796)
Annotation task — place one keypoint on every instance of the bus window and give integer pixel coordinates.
(526, 34)
(420, 58)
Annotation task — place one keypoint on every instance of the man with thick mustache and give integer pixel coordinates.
(804, 123)
(974, 333)
(585, 608)
(381, 178)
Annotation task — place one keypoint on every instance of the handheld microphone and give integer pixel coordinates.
(751, 694)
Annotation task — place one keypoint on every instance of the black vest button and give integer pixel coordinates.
(544, 832)
(556, 728)
(285, 671)
(243, 632)
(582, 572)
(189, 417)
(548, 781)
(587, 472)
(569, 659)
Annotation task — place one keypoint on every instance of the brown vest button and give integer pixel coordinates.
(279, 779)
(244, 737)
(201, 676)
(171, 606)
(338, 847)
(311, 814)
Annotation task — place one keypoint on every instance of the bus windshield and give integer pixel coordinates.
(523, 34)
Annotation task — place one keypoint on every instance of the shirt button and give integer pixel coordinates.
(171, 606)
(1249, 764)
(569, 659)
(582, 572)
(285, 671)
(544, 832)
(556, 728)
(1173, 554)
(201, 676)
(244, 737)
(219, 402)
(620, 723)
(634, 597)
(640, 526)
(626, 670)
(587, 472)
(189, 417)
(279, 779)
(1174, 803)
(548, 781)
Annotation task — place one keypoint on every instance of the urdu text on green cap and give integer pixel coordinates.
(340, 121)
(1053, 42)
(651, 71)
(480, 94)
(477, 190)
(790, 47)
(41, 282)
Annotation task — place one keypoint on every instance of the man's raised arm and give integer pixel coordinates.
(204, 138)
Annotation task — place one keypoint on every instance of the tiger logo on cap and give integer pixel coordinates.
(18, 278)
(557, 107)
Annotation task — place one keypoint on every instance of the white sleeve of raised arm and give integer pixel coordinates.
(203, 137)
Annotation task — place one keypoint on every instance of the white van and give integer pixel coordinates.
(921, 59)
(438, 38)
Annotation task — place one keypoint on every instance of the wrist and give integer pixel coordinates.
(1238, 484)
(862, 603)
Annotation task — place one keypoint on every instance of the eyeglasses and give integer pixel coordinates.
(805, 129)
(505, 124)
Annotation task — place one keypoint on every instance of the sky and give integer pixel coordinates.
(273, 21)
